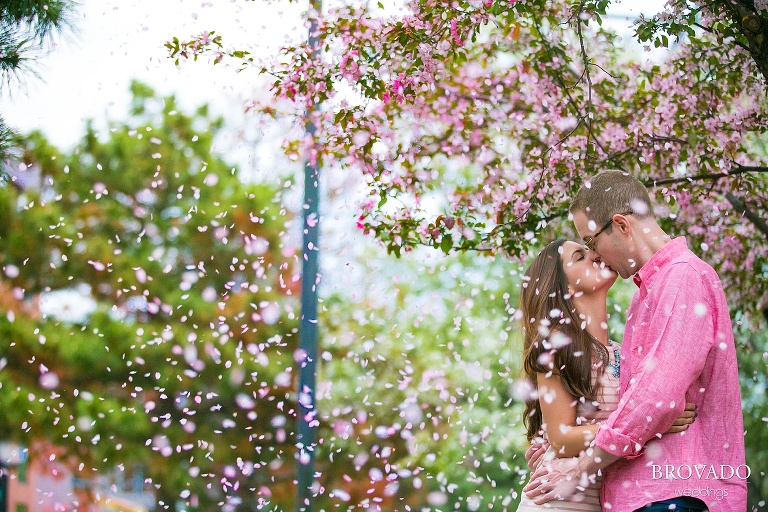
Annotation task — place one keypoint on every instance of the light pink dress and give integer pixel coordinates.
(587, 413)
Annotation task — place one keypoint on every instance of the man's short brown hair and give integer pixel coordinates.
(609, 193)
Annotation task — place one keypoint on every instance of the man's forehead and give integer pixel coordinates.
(581, 216)
(585, 226)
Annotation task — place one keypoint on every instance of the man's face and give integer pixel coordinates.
(607, 248)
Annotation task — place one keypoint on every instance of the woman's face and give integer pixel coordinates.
(584, 276)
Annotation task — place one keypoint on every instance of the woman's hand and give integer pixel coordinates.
(682, 423)
(533, 455)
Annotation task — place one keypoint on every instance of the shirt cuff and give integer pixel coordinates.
(616, 443)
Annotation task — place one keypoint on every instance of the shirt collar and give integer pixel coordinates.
(667, 253)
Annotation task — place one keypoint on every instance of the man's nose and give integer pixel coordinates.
(594, 256)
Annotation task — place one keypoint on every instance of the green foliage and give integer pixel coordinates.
(41, 17)
(185, 365)
(753, 374)
(207, 43)
(658, 29)
(24, 26)
(417, 387)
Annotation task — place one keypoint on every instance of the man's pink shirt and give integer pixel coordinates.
(678, 347)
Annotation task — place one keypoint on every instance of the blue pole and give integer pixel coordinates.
(307, 355)
(3, 488)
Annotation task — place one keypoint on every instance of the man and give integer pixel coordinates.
(678, 347)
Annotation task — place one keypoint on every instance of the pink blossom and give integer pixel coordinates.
(455, 34)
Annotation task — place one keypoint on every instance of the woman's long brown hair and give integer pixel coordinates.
(546, 304)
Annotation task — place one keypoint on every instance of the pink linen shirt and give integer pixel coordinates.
(678, 347)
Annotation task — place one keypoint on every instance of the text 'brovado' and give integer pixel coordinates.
(700, 471)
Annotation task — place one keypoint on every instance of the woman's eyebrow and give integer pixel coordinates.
(577, 251)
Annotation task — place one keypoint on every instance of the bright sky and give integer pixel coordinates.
(87, 74)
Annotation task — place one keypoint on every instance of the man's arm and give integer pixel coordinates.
(681, 334)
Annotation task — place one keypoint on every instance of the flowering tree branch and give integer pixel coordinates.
(473, 123)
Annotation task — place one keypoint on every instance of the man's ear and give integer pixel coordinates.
(621, 223)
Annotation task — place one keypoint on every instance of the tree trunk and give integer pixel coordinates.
(754, 27)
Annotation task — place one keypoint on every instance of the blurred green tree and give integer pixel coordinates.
(147, 310)
(417, 387)
(753, 374)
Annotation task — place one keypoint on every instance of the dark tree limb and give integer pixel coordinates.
(741, 206)
(738, 169)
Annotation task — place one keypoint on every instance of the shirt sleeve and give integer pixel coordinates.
(673, 353)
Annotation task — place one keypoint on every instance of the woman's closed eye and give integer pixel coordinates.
(578, 255)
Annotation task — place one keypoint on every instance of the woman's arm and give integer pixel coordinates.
(558, 410)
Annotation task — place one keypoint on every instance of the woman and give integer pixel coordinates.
(570, 359)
